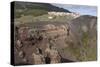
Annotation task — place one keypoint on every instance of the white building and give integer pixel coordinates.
(63, 14)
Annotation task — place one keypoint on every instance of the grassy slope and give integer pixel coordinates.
(35, 9)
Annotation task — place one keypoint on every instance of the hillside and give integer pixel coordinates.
(84, 37)
(42, 6)
(37, 9)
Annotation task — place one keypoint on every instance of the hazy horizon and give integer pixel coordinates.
(82, 9)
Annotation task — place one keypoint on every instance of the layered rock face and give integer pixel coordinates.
(56, 43)
(40, 43)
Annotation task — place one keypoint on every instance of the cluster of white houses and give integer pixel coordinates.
(75, 15)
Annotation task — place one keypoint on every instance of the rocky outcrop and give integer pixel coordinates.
(39, 46)
(53, 43)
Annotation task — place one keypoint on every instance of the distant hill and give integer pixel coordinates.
(42, 6)
(35, 9)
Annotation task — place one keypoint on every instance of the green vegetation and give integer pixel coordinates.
(17, 14)
(31, 19)
(54, 18)
(33, 12)
(84, 51)
(34, 9)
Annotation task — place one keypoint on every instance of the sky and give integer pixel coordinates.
(82, 9)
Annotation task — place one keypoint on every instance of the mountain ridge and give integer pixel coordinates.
(45, 6)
